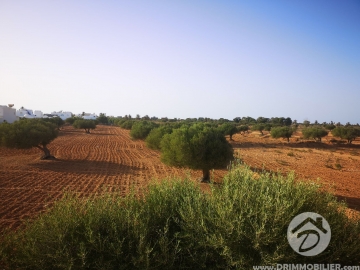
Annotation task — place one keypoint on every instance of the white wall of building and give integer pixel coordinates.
(7, 114)
(63, 115)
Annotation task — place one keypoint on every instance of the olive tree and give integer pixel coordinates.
(242, 129)
(140, 129)
(346, 133)
(228, 129)
(28, 133)
(103, 119)
(155, 136)
(85, 124)
(258, 127)
(281, 132)
(315, 133)
(56, 121)
(196, 147)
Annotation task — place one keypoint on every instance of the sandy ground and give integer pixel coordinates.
(107, 159)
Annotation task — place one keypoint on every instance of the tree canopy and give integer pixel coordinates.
(281, 132)
(196, 147)
(140, 129)
(85, 124)
(155, 136)
(346, 133)
(315, 133)
(103, 119)
(28, 133)
(228, 129)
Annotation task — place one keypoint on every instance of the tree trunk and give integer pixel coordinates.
(288, 139)
(206, 176)
(231, 137)
(46, 151)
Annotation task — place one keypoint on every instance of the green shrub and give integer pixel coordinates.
(197, 147)
(175, 225)
(281, 132)
(243, 128)
(347, 133)
(315, 133)
(28, 133)
(155, 136)
(258, 127)
(140, 129)
(329, 126)
(85, 124)
(127, 124)
(228, 129)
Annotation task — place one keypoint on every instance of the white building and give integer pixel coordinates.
(63, 115)
(27, 113)
(88, 116)
(7, 114)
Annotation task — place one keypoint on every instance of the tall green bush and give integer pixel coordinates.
(315, 133)
(174, 225)
(346, 133)
(281, 132)
(155, 136)
(140, 129)
(198, 147)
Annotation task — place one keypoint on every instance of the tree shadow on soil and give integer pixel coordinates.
(352, 202)
(86, 167)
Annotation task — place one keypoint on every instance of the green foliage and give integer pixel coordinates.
(155, 136)
(329, 126)
(281, 132)
(71, 120)
(85, 124)
(306, 123)
(127, 124)
(315, 133)
(103, 119)
(228, 129)
(243, 128)
(140, 129)
(57, 121)
(346, 133)
(262, 120)
(258, 127)
(175, 225)
(28, 133)
(196, 147)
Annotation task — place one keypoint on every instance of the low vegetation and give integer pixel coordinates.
(174, 225)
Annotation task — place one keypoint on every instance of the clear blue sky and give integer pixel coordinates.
(298, 59)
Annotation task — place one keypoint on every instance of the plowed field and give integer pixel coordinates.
(107, 159)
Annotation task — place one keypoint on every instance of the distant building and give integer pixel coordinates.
(62, 115)
(27, 113)
(7, 114)
(88, 116)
